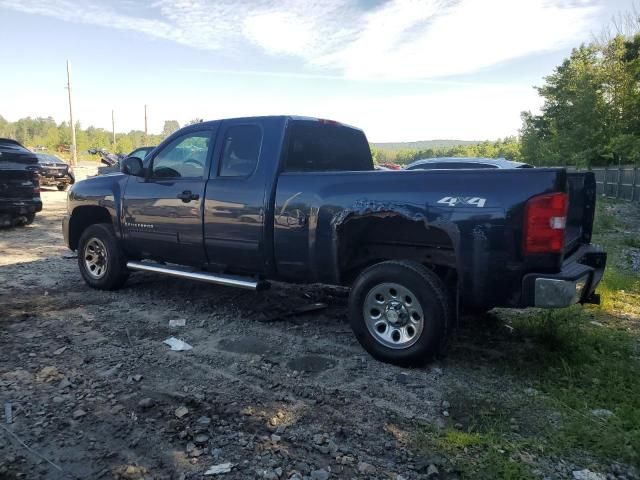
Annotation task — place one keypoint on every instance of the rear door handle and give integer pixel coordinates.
(187, 196)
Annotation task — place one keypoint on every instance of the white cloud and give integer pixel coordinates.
(400, 39)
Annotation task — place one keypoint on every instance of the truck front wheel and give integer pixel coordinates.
(399, 312)
(102, 264)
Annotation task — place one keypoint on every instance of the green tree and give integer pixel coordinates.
(170, 126)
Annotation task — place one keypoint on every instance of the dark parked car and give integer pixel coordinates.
(19, 184)
(243, 201)
(54, 172)
(454, 163)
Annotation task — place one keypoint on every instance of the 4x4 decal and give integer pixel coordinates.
(463, 201)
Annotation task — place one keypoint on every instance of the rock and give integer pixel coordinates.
(137, 377)
(181, 411)
(366, 468)
(320, 474)
(587, 474)
(60, 350)
(146, 403)
(432, 471)
(278, 471)
(78, 414)
(219, 469)
(204, 421)
(445, 413)
(49, 374)
(402, 378)
(201, 439)
(446, 405)
(110, 371)
(318, 439)
(267, 474)
(57, 399)
(275, 438)
(65, 383)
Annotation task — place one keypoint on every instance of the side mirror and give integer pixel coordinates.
(132, 166)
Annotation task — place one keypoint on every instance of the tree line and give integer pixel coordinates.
(508, 148)
(56, 137)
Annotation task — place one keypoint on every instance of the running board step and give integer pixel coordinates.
(191, 274)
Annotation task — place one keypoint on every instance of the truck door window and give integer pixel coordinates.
(184, 157)
(240, 151)
(321, 147)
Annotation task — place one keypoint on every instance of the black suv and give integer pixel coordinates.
(54, 171)
(19, 184)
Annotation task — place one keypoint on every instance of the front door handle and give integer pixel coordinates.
(187, 196)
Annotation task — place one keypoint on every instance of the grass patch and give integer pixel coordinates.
(633, 242)
(478, 455)
(584, 367)
(604, 222)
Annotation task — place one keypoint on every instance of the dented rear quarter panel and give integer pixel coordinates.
(310, 208)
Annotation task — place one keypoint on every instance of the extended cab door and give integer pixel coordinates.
(162, 212)
(237, 194)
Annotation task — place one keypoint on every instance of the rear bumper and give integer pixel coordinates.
(20, 207)
(55, 179)
(575, 283)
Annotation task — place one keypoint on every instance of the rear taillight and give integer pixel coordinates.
(545, 221)
(36, 182)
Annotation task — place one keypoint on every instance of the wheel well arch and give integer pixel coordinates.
(84, 216)
(364, 240)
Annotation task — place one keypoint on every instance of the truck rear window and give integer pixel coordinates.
(324, 147)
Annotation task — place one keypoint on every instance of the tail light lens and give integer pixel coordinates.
(36, 182)
(545, 221)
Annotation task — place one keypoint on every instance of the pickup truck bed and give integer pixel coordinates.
(297, 199)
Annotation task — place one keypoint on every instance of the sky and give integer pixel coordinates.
(402, 70)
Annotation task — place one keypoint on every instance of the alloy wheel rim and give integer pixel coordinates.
(393, 315)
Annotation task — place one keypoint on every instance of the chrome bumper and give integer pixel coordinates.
(576, 282)
(553, 293)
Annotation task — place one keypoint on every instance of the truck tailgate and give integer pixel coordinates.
(582, 202)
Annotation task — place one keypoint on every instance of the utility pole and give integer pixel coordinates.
(74, 151)
(113, 129)
(145, 125)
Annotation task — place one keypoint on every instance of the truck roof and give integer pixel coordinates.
(494, 162)
(286, 117)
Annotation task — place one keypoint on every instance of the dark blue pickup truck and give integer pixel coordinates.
(244, 201)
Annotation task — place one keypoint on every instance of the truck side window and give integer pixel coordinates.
(321, 147)
(240, 151)
(184, 157)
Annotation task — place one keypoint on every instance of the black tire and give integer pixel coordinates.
(115, 271)
(29, 218)
(62, 187)
(432, 300)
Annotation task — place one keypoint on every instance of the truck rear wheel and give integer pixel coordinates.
(102, 264)
(399, 312)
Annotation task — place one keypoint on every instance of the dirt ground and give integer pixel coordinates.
(94, 393)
